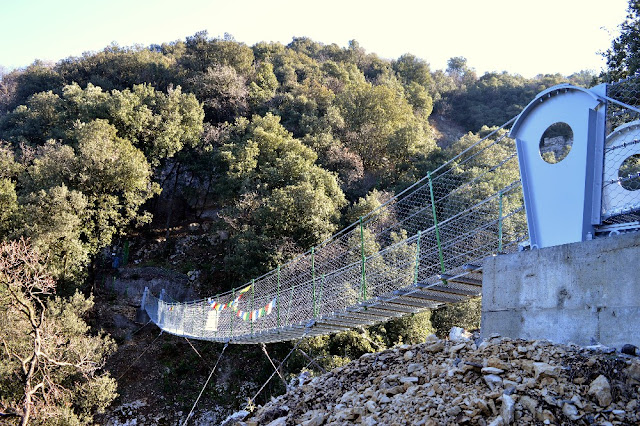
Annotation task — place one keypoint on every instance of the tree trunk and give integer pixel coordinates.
(28, 387)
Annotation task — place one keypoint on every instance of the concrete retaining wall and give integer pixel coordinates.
(569, 293)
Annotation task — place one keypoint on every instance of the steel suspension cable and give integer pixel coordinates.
(205, 384)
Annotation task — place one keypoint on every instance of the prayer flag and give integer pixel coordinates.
(269, 306)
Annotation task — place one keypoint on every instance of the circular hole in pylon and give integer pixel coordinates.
(629, 173)
(556, 142)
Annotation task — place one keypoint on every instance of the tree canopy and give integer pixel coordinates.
(623, 57)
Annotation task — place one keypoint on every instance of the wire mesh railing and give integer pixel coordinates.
(621, 180)
(405, 256)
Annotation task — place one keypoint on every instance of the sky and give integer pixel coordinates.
(521, 37)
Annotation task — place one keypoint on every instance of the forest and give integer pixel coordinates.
(274, 147)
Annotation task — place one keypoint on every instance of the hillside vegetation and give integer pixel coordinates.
(211, 157)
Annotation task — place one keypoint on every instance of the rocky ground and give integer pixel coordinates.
(497, 381)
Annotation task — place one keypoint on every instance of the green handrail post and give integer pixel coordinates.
(415, 274)
(363, 279)
(500, 223)
(435, 224)
(313, 279)
(278, 298)
(253, 285)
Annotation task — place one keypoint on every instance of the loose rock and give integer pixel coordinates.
(499, 382)
(601, 390)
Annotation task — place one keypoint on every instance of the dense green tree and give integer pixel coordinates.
(308, 109)
(55, 221)
(354, 53)
(381, 127)
(365, 205)
(341, 348)
(157, 123)
(292, 68)
(202, 53)
(8, 207)
(119, 68)
(623, 57)
(17, 86)
(494, 98)
(486, 156)
(114, 176)
(306, 46)
(222, 91)
(412, 69)
(335, 157)
(419, 98)
(267, 52)
(459, 70)
(73, 199)
(583, 78)
(42, 118)
(374, 68)
(280, 193)
(262, 85)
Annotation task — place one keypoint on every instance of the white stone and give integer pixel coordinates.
(411, 368)
(431, 338)
(570, 411)
(456, 348)
(384, 399)
(235, 417)
(369, 421)
(497, 422)
(371, 406)
(492, 370)
(348, 397)
(508, 409)
(458, 334)
(281, 421)
(492, 381)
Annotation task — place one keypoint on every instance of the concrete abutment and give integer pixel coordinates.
(572, 293)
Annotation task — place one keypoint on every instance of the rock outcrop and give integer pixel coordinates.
(499, 381)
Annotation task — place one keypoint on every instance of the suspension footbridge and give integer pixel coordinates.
(424, 247)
